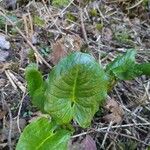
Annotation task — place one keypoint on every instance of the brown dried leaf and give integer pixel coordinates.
(64, 46)
(88, 143)
(116, 112)
(58, 52)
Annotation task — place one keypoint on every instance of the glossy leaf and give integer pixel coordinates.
(122, 67)
(43, 134)
(143, 69)
(76, 87)
(36, 86)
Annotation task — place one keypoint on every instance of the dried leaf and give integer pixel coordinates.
(64, 46)
(89, 143)
(116, 112)
(58, 52)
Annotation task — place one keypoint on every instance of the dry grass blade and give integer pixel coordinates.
(26, 39)
(14, 81)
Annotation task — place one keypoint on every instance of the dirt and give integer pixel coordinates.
(105, 29)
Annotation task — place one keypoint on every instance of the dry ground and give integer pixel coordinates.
(39, 32)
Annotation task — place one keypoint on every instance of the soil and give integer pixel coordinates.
(42, 33)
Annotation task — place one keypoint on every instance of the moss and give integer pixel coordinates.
(31, 56)
(38, 21)
(99, 26)
(71, 17)
(123, 38)
(93, 12)
(59, 3)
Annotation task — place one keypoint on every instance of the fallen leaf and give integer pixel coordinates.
(88, 143)
(116, 114)
(58, 52)
(64, 46)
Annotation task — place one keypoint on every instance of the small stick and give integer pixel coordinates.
(10, 121)
(24, 17)
(29, 43)
(112, 127)
(82, 26)
(105, 137)
(20, 111)
(10, 79)
(135, 5)
(18, 83)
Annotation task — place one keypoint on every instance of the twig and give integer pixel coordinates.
(29, 43)
(112, 127)
(10, 79)
(18, 124)
(133, 114)
(49, 13)
(135, 5)
(83, 27)
(13, 78)
(10, 121)
(128, 136)
(101, 13)
(105, 137)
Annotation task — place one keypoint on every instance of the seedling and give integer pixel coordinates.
(74, 90)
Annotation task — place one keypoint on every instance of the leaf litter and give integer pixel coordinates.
(106, 35)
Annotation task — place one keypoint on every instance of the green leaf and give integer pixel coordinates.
(76, 88)
(38, 21)
(36, 86)
(43, 135)
(123, 66)
(60, 3)
(142, 69)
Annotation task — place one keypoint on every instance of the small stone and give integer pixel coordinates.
(4, 44)
(35, 38)
(3, 55)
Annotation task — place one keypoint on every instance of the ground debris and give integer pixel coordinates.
(116, 112)
(4, 44)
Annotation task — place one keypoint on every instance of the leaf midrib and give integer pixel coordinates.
(44, 141)
(74, 85)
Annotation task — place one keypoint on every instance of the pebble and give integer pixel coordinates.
(4, 44)
(3, 55)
